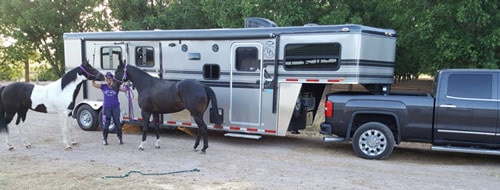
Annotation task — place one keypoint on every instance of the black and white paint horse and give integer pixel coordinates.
(157, 96)
(57, 97)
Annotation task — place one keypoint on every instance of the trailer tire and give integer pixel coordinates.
(373, 140)
(86, 117)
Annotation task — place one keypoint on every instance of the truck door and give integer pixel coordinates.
(246, 84)
(467, 107)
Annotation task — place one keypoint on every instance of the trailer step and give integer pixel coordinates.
(247, 136)
(466, 150)
(333, 139)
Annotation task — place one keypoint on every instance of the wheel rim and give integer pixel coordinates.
(372, 142)
(85, 118)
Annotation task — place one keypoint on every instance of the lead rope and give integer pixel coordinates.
(142, 173)
(130, 97)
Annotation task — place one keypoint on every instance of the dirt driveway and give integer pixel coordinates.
(292, 162)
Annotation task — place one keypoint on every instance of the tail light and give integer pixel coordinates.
(328, 109)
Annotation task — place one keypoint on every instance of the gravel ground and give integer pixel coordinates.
(291, 162)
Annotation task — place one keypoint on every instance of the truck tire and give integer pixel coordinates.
(86, 118)
(373, 140)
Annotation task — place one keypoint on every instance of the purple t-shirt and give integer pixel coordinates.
(110, 96)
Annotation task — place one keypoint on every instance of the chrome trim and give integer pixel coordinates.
(447, 106)
(466, 132)
(474, 99)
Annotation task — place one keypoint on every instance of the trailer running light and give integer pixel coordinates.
(328, 109)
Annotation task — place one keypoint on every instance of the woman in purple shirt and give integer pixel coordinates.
(111, 107)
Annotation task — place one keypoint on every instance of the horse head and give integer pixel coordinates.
(120, 75)
(90, 72)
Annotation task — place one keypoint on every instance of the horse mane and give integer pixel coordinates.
(69, 77)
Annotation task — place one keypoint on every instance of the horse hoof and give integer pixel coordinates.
(74, 143)
(28, 146)
(140, 148)
(68, 148)
(157, 147)
(11, 148)
(203, 152)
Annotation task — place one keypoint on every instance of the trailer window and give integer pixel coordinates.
(110, 57)
(247, 59)
(144, 56)
(312, 56)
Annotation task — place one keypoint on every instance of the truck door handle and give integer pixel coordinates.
(447, 106)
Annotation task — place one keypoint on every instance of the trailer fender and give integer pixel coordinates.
(354, 114)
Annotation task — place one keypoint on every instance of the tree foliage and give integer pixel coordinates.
(38, 26)
(432, 34)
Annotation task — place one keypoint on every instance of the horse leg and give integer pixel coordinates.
(156, 120)
(21, 117)
(7, 142)
(26, 144)
(8, 117)
(70, 130)
(202, 132)
(145, 124)
(64, 129)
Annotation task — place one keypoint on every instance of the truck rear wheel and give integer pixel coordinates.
(373, 140)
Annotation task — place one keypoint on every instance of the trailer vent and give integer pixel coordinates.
(257, 22)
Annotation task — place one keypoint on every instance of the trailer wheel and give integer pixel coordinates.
(373, 140)
(86, 118)
(112, 126)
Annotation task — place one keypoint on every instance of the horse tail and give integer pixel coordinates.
(215, 110)
(3, 121)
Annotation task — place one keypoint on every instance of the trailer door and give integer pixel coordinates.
(246, 84)
(107, 55)
(146, 56)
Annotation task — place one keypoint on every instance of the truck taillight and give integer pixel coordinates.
(328, 109)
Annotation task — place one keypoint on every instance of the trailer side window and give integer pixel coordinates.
(312, 56)
(110, 57)
(247, 59)
(144, 56)
(477, 86)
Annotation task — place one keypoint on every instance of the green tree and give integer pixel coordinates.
(447, 34)
(38, 26)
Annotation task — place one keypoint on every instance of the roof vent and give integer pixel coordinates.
(257, 22)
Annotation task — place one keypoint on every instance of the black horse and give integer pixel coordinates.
(157, 96)
(57, 97)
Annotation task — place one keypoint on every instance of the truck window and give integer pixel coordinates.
(247, 59)
(474, 86)
(144, 56)
(110, 57)
(312, 56)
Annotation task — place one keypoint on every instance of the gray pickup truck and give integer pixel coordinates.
(462, 115)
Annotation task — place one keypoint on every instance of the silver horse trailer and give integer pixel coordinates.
(268, 80)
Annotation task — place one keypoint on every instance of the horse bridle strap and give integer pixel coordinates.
(124, 77)
(88, 73)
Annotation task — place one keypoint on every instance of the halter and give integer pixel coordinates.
(124, 77)
(88, 73)
(129, 93)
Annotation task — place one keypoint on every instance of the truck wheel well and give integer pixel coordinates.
(388, 120)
